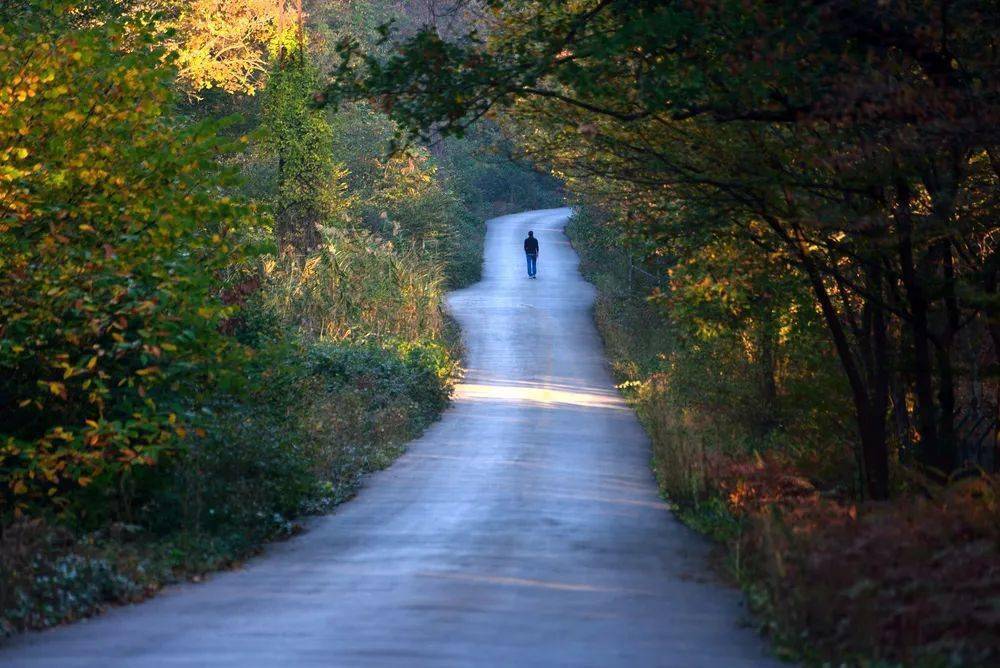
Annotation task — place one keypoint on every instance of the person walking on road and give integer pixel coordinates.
(531, 251)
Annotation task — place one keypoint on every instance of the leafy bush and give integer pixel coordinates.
(296, 439)
(112, 228)
(405, 197)
(913, 580)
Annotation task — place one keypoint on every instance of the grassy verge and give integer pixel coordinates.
(833, 582)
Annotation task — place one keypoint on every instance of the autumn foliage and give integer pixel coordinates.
(112, 229)
(906, 581)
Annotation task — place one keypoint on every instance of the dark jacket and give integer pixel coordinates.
(531, 246)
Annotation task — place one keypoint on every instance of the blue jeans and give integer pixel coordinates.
(532, 260)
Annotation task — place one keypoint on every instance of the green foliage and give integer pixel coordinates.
(268, 454)
(405, 197)
(727, 355)
(308, 189)
(112, 228)
(354, 285)
(487, 172)
(281, 451)
(42, 583)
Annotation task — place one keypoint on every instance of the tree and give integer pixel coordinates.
(222, 44)
(309, 186)
(113, 227)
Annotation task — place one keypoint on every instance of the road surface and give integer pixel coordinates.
(523, 529)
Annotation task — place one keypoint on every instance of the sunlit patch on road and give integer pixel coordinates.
(538, 394)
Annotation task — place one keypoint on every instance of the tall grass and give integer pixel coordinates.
(355, 285)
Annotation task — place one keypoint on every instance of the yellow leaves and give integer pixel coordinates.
(68, 292)
(61, 434)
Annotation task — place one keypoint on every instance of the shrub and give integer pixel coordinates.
(296, 438)
(112, 228)
(916, 579)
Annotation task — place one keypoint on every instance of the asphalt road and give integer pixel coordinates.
(522, 529)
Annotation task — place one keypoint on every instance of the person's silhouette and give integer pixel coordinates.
(531, 252)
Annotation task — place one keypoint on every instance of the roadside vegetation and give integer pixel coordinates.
(790, 212)
(756, 453)
(220, 305)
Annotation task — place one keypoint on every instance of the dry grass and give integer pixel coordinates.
(355, 284)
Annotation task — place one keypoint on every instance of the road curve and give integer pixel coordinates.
(522, 529)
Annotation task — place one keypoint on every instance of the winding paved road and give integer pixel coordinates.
(522, 529)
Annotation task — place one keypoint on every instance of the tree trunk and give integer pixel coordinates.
(870, 400)
(931, 452)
